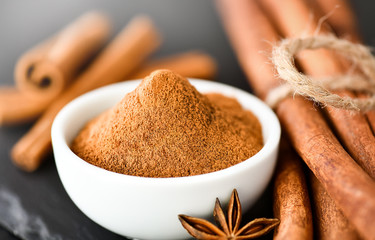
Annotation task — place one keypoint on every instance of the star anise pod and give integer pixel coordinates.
(205, 230)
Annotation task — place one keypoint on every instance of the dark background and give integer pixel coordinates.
(43, 207)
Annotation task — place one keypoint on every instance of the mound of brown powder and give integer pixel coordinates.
(166, 128)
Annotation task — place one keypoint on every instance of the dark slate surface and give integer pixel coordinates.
(35, 205)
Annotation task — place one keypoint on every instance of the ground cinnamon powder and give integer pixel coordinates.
(166, 128)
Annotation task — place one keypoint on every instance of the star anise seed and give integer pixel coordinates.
(205, 230)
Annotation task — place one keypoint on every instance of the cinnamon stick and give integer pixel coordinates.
(344, 23)
(44, 71)
(192, 64)
(352, 128)
(127, 51)
(291, 204)
(330, 223)
(17, 107)
(349, 186)
(341, 18)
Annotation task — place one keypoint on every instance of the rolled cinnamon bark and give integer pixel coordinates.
(44, 71)
(126, 52)
(192, 64)
(330, 223)
(341, 17)
(349, 186)
(17, 107)
(291, 204)
(352, 128)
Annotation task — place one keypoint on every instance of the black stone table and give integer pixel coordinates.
(35, 205)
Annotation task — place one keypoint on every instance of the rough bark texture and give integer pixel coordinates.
(291, 202)
(348, 185)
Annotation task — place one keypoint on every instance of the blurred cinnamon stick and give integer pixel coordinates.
(291, 204)
(16, 107)
(351, 188)
(330, 223)
(126, 52)
(44, 71)
(193, 64)
(352, 128)
(341, 17)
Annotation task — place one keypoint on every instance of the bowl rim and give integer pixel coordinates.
(58, 135)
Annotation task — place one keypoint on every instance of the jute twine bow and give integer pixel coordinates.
(318, 90)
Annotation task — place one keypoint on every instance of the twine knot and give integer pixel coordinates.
(319, 90)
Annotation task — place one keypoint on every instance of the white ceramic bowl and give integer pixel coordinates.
(147, 208)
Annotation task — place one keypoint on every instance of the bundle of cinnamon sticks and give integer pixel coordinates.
(335, 198)
(52, 74)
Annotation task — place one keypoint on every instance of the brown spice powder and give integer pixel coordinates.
(166, 128)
